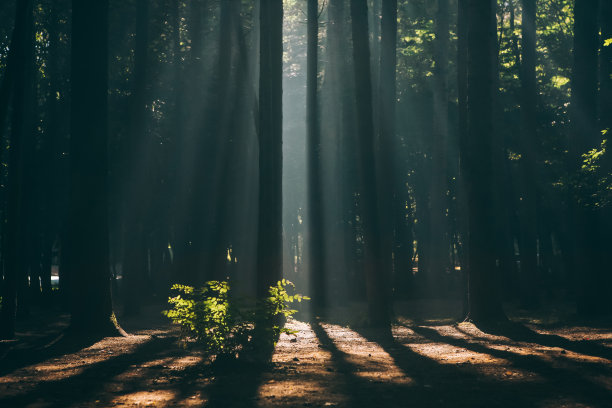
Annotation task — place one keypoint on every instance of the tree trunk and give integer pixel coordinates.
(528, 203)
(388, 205)
(314, 163)
(270, 232)
(605, 122)
(87, 249)
(484, 303)
(14, 246)
(138, 156)
(461, 143)
(586, 234)
(438, 241)
(376, 277)
(606, 71)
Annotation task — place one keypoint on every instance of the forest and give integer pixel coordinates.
(305, 203)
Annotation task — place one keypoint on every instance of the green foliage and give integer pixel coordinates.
(224, 325)
(596, 180)
(591, 185)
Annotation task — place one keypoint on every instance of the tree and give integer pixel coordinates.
(606, 67)
(584, 135)
(461, 143)
(13, 249)
(388, 204)
(376, 276)
(528, 203)
(270, 232)
(438, 250)
(315, 196)
(137, 172)
(87, 249)
(483, 302)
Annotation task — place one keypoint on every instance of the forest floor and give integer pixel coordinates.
(429, 361)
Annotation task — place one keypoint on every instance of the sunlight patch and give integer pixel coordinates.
(300, 358)
(369, 359)
(145, 398)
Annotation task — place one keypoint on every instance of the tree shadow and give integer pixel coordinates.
(95, 376)
(48, 348)
(442, 385)
(519, 332)
(358, 390)
(563, 381)
(236, 383)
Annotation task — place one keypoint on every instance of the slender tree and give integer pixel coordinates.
(461, 143)
(87, 249)
(388, 205)
(484, 302)
(605, 119)
(586, 229)
(13, 248)
(315, 196)
(606, 67)
(270, 232)
(438, 250)
(137, 168)
(376, 276)
(528, 204)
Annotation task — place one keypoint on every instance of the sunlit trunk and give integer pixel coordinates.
(376, 276)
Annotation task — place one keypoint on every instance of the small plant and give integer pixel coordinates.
(591, 185)
(224, 325)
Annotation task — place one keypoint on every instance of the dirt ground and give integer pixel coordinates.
(424, 362)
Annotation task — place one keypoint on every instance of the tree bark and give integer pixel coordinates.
(314, 163)
(138, 156)
(270, 233)
(376, 277)
(461, 143)
(484, 302)
(438, 238)
(13, 248)
(586, 230)
(87, 249)
(388, 204)
(528, 203)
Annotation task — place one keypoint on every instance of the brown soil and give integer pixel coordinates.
(423, 363)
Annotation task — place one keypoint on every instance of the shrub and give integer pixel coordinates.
(224, 325)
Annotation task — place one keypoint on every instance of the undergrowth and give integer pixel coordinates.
(225, 325)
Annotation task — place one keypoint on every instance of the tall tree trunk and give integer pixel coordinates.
(438, 241)
(51, 150)
(528, 203)
(87, 249)
(270, 232)
(339, 238)
(376, 277)
(14, 246)
(388, 204)
(484, 302)
(461, 143)
(605, 122)
(504, 195)
(605, 74)
(587, 234)
(137, 167)
(315, 195)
